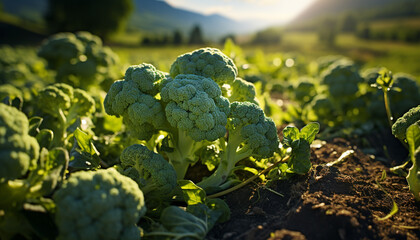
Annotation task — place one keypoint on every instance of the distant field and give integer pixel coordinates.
(396, 56)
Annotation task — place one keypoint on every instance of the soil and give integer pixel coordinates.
(345, 201)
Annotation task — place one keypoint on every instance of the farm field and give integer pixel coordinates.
(145, 126)
(335, 165)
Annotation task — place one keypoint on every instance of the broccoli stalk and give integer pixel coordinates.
(182, 152)
(251, 133)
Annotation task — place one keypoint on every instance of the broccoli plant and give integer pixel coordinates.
(79, 59)
(27, 175)
(189, 108)
(61, 105)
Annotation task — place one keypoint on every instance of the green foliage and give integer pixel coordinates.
(102, 19)
(102, 204)
(299, 142)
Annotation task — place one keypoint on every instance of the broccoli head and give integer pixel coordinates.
(206, 62)
(196, 106)
(155, 176)
(99, 205)
(242, 91)
(133, 99)
(18, 151)
(342, 79)
(146, 78)
(399, 128)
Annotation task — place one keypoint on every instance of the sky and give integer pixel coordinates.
(266, 11)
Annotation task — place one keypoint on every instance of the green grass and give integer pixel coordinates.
(396, 56)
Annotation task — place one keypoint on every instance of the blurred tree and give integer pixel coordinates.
(349, 23)
(177, 37)
(196, 37)
(268, 36)
(364, 32)
(100, 17)
(327, 31)
(231, 36)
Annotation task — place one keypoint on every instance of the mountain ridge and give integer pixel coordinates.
(151, 17)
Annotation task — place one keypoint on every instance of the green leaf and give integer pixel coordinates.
(85, 143)
(84, 154)
(300, 162)
(192, 193)
(309, 132)
(290, 134)
(413, 138)
(413, 177)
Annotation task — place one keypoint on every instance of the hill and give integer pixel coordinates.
(331, 8)
(150, 16)
(159, 17)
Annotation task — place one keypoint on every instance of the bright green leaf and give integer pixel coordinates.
(192, 193)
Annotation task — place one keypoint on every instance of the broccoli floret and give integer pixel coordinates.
(18, 151)
(250, 133)
(342, 79)
(195, 105)
(146, 78)
(206, 62)
(242, 91)
(399, 128)
(99, 205)
(155, 176)
(134, 99)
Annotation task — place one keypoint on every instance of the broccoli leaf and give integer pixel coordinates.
(192, 193)
(300, 142)
(84, 154)
(413, 177)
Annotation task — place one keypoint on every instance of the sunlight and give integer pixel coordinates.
(265, 11)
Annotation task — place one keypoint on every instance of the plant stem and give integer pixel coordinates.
(236, 187)
(388, 108)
